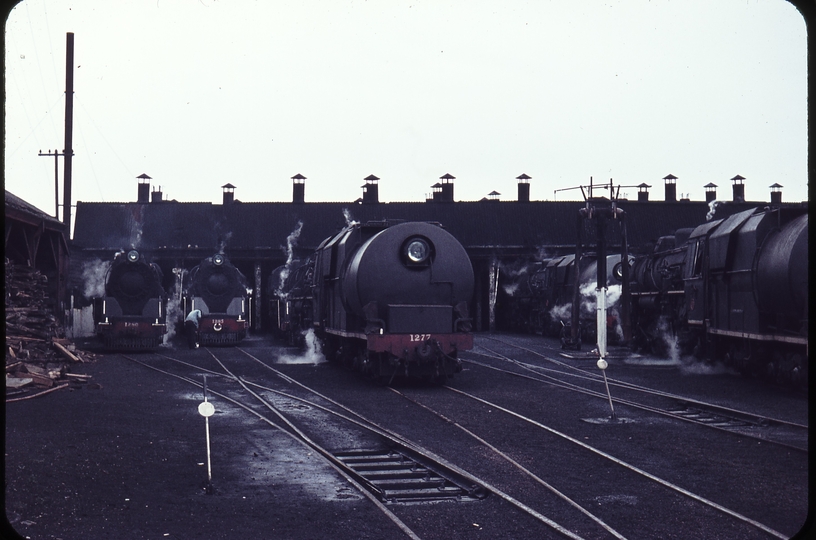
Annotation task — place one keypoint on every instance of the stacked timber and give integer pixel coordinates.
(37, 354)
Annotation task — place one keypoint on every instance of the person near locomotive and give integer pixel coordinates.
(191, 328)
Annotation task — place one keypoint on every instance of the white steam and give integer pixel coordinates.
(94, 274)
(291, 242)
(175, 311)
(712, 209)
(311, 355)
(511, 288)
(349, 219)
(222, 242)
(135, 235)
(588, 299)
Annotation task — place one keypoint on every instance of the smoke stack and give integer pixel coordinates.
(446, 193)
(371, 190)
(144, 189)
(738, 188)
(671, 187)
(776, 193)
(229, 193)
(436, 193)
(643, 192)
(156, 195)
(710, 192)
(298, 188)
(523, 188)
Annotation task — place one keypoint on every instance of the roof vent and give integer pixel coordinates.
(738, 189)
(229, 193)
(671, 188)
(523, 188)
(298, 188)
(371, 190)
(144, 188)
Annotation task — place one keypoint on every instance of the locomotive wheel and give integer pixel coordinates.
(781, 367)
(330, 348)
(799, 370)
(735, 358)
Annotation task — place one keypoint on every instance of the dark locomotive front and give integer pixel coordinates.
(133, 310)
(386, 298)
(393, 299)
(218, 289)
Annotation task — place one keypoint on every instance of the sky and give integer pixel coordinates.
(198, 94)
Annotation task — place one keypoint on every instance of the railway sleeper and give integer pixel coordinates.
(400, 478)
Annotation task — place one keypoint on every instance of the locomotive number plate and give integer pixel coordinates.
(131, 324)
(420, 337)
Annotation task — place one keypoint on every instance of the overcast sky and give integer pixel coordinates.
(201, 93)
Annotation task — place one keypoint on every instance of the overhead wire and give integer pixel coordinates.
(77, 100)
(39, 65)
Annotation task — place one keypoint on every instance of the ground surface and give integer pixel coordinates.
(124, 457)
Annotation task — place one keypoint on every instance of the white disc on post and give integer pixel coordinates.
(206, 409)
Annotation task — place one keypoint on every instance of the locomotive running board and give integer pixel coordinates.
(400, 479)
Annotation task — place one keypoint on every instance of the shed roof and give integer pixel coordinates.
(15, 203)
(259, 226)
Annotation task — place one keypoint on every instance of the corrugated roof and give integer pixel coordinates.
(15, 202)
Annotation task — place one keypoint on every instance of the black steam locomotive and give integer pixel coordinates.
(218, 289)
(734, 288)
(386, 298)
(133, 313)
(538, 297)
(290, 289)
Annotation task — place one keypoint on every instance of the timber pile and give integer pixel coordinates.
(37, 353)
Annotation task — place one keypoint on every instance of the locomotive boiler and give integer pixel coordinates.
(387, 298)
(734, 289)
(133, 313)
(218, 289)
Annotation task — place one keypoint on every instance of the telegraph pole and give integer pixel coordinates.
(56, 155)
(68, 151)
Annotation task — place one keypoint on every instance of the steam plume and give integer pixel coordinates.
(291, 242)
(94, 274)
(312, 355)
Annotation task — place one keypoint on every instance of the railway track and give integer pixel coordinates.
(394, 468)
(598, 453)
(391, 470)
(743, 423)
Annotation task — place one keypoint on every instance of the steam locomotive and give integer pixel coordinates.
(735, 288)
(540, 296)
(218, 289)
(387, 298)
(133, 315)
(290, 288)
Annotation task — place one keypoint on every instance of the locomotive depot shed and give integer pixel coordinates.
(253, 235)
(121, 452)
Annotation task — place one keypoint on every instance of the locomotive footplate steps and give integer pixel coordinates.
(400, 478)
